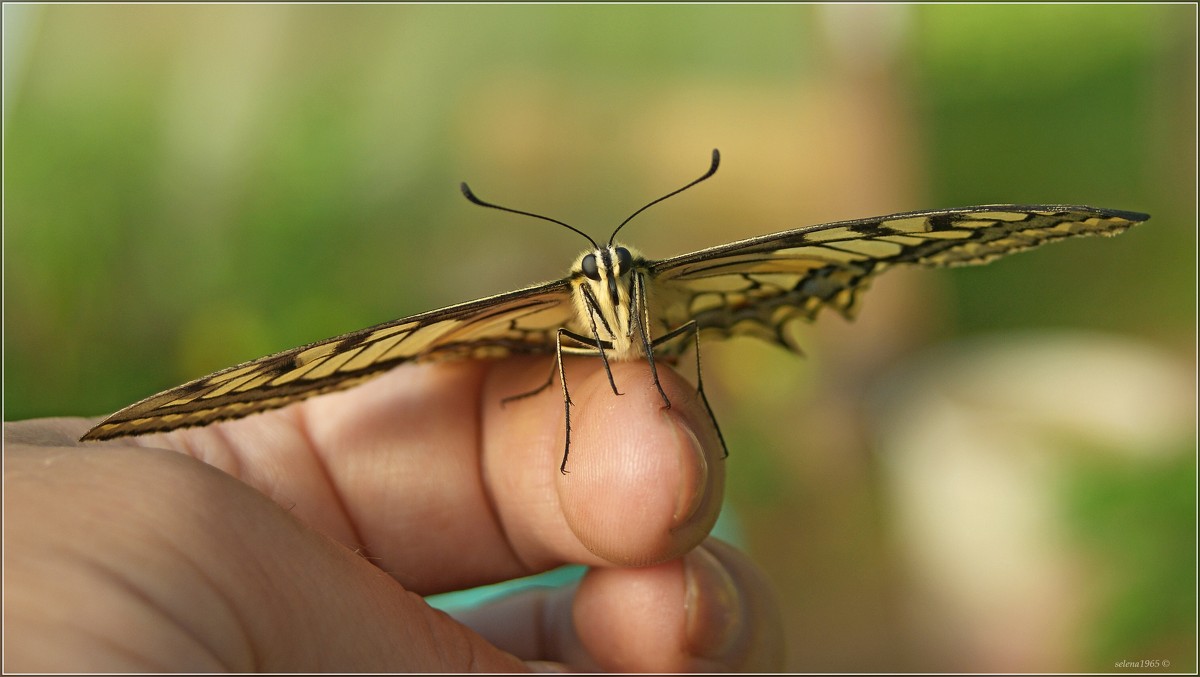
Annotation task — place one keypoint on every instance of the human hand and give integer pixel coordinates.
(351, 506)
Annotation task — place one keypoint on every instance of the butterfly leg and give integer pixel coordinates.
(588, 346)
(535, 391)
(641, 317)
(562, 377)
(694, 329)
(593, 310)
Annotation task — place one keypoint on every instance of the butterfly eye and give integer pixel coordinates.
(624, 261)
(589, 267)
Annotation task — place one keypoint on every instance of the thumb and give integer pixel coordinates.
(204, 573)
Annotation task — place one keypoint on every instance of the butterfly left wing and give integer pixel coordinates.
(522, 321)
(757, 286)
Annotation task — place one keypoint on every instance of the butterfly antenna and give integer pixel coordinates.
(716, 161)
(466, 191)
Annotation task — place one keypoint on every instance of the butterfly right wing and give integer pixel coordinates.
(758, 286)
(519, 322)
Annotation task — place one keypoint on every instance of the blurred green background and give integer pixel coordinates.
(187, 187)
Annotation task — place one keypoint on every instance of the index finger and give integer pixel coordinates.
(425, 471)
(644, 481)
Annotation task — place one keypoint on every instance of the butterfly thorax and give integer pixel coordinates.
(605, 295)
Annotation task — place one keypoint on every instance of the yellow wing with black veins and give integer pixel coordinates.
(519, 322)
(758, 286)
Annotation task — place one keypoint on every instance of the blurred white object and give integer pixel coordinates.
(976, 442)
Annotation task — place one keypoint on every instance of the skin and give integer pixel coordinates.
(304, 538)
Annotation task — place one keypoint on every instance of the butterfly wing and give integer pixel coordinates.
(519, 322)
(757, 286)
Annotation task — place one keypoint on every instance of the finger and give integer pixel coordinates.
(710, 611)
(203, 574)
(388, 468)
(644, 483)
(444, 496)
(426, 460)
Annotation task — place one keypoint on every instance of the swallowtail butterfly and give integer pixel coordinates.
(619, 305)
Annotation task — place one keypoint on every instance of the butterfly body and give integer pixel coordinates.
(603, 290)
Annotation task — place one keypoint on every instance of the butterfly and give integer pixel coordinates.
(619, 305)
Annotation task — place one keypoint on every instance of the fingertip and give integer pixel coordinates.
(732, 616)
(711, 611)
(645, 481)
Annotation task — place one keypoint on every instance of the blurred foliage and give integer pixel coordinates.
(190, 186)
(1130, 518)
(179, 174)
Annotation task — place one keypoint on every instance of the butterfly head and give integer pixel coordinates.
(606, 270)
(603, 278)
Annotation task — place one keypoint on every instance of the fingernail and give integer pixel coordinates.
(712, 606)
(693, 474)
